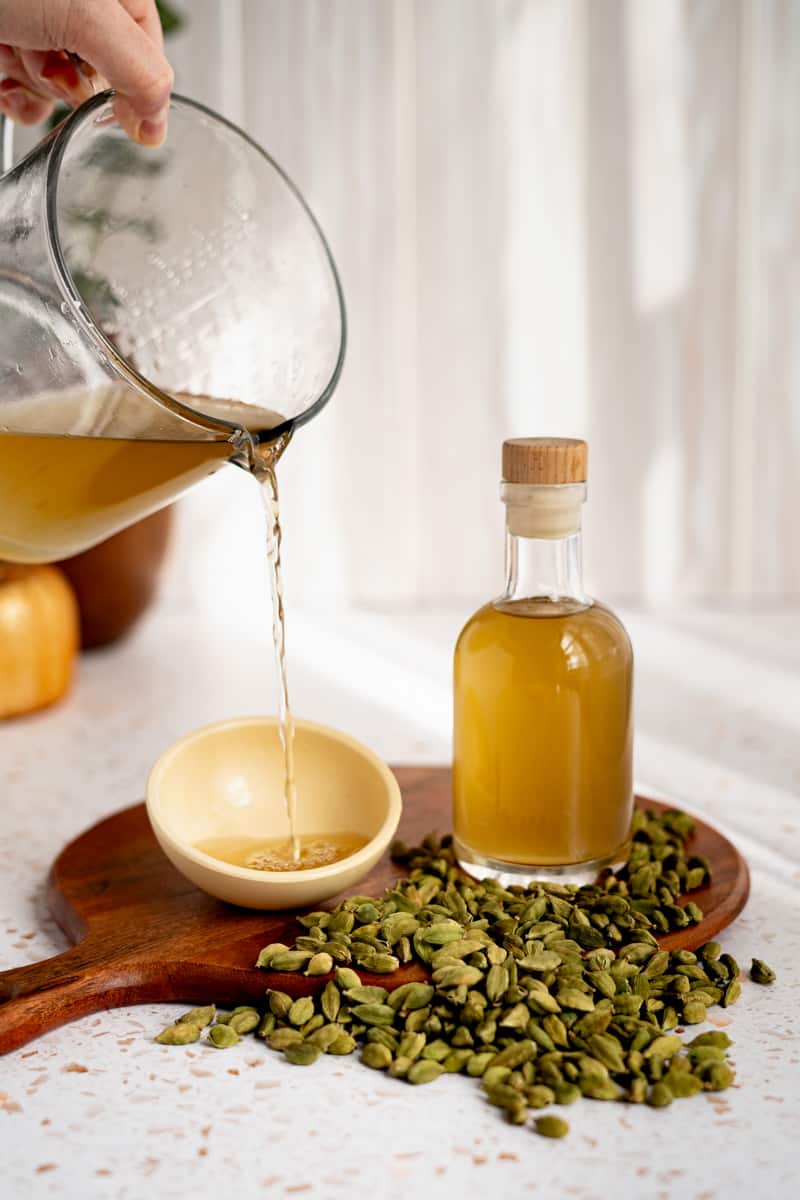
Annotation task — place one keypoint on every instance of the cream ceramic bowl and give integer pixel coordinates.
(226, 780)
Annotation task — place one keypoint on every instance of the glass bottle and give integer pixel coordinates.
(542, 771)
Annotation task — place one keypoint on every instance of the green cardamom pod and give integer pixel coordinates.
(682, 1084)
(607, 1050)
(344, 1044)
(320, 964)
(542, 960)
(289, 960)
(383, 964)
(660, 1096)
(410, 997)
(302, 1054)
(497, 982)
(730, 963)
(455, 976)
(398, 925)
(664, 1047)
(494, 1075)
(698, 1055)
(607, 1090)
(477, 1064)
(456, 1060)
(179, 1035)
(436, 1051)
(716, 1037)
(315, 919)
(539, 1096)
(223, 1037)
(551, 1127)
(516, 1017)
(282, 1038)
(515, 1055)
(399, 1067)
(376, 1056)
(416, 1020)
(198, 1016)
(279, 1003)
(694, 1013)
(503, 1095)
(366, 995)
(386, 1037)
(719, 1077)
(423, 1071)
(268, 953)
(341, 921)
(566, 1093)
(347, 979)
(669, 1018)
(266, 1025)
(302, 1010)
(325, 1036)
(761, 973)
(557, 1030)
(374, 1014)
(244, 1021)
(574, 999)
(330, 1001)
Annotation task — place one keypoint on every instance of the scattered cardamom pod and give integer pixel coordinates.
(551, 1127)
(760, 972)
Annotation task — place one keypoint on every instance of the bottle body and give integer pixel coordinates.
(542, 778)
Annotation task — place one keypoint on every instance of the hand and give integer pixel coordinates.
(121, 43)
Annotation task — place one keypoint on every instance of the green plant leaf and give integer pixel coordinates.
(171, 20)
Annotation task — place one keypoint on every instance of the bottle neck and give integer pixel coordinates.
(544, 568)
(544, 559)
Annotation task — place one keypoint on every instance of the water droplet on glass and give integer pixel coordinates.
(64, 307)
(19, 368)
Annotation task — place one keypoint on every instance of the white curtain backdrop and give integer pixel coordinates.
(569, 217)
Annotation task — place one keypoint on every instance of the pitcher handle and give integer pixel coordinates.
(6, 144)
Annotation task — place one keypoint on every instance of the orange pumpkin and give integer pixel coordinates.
(39, 637)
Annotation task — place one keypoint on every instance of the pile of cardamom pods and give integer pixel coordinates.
(545, 993)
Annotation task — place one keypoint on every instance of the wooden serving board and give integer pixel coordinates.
(143, 933)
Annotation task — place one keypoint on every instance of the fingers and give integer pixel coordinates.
(54, 74)
(145, 14)
(122, 39)
(21, 98)
(23, 105)
(120, 47)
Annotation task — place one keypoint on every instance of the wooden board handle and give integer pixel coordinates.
(46, 994)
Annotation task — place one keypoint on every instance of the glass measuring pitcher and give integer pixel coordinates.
(161, 312)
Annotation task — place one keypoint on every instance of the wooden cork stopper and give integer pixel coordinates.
(544, 460)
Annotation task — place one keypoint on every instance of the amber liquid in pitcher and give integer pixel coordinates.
(61, 494)
(542, 733)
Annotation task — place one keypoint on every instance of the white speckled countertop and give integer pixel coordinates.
(96, 1109)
